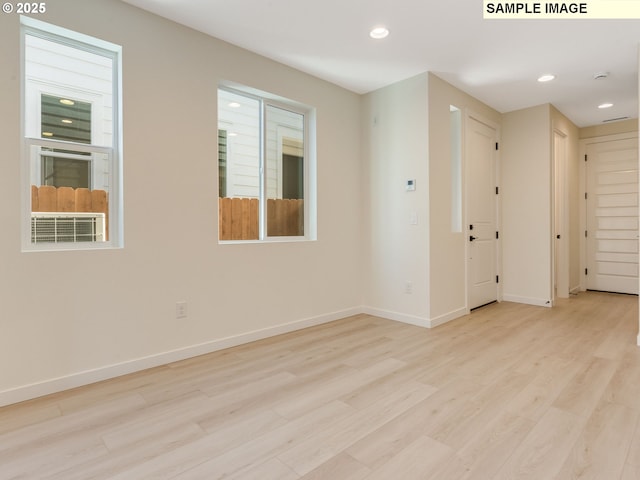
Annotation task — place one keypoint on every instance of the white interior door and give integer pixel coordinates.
(481, 208)
(612, 216)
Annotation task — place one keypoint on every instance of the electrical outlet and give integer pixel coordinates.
(181, 310)
(408, 287)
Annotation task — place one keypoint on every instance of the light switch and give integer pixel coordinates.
(413, 218)
(411, 185)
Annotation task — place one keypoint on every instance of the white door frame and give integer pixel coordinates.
(560, 211)
(582, 147)
(468, 115)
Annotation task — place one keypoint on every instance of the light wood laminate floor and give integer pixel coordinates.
(510, 392)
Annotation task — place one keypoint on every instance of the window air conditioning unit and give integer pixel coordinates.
(60, 227)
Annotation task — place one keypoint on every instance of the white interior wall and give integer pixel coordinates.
(525, 159)
(73, 317)
(395, 143)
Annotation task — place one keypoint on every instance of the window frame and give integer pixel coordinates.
(309, 162)
(113, 152)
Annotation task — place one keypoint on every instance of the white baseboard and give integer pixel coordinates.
(540, 302)
(414, 319)
(398, 317)
(575, 290)
(447, 317)
(28, 392)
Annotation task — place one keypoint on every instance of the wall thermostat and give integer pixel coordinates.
(411, 185)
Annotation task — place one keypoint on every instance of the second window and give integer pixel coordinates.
(263, 167)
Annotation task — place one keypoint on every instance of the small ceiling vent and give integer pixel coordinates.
(615, 119)
(600, 75)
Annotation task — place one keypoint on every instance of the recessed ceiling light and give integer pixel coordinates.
(66, 120)
(66, 101)
(605, 105)
(234, 105)
(379, 33)
(546, 78)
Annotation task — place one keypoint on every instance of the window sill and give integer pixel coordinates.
(268, 240)
(69, 247)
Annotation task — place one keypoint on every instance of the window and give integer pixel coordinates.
(72, 155)
(265, 167)
(67, 120)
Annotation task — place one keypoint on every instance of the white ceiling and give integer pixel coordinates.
(496, 61)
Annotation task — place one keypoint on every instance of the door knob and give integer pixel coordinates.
(472, 238)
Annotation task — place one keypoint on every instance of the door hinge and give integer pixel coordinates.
(585, 234)
(497, 234)
(496, 145)
(586, 271)
(497, 190)
(497, 279)
(585, 158)
(586, 195)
